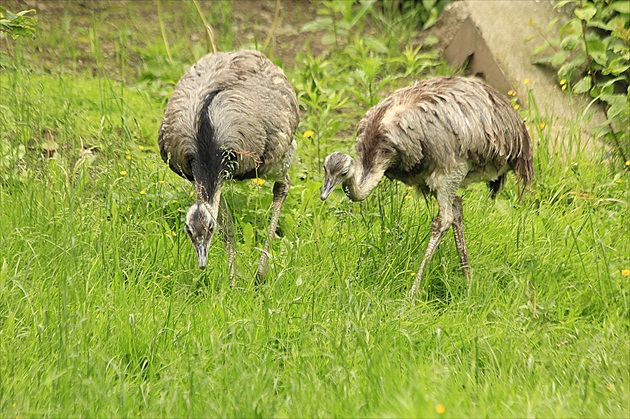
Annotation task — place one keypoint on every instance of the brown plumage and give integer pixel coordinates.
(233, 115)
(437, 135)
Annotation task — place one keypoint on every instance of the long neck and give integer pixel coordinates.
(208, 182)
(361, 185)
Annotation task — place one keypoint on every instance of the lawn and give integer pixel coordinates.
(104, 312)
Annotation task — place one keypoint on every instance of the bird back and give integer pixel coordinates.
(249, 103)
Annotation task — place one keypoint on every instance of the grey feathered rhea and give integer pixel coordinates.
(437, 135)
(233, 115)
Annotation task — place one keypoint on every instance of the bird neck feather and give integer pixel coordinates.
(362, 183)
(207, 186)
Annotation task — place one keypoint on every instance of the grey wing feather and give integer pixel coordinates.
(254, 101)
(450, 119)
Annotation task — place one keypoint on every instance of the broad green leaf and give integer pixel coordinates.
(328, 39)
(551, 24)
(431, 40)
(558, 58)
(540, 48)
(582, 86)
(617, 66)
(319, 24)
(585, 13)
(616, 103)
(597, 51)
(569, 42)
(621, 6)
(562, 3)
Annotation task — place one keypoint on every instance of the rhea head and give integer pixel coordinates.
(338, 168)
(200, 226)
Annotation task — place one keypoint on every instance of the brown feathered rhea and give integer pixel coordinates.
(233, 115)
(437, 135)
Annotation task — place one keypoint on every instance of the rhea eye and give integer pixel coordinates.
(345, 172)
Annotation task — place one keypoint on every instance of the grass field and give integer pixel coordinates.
(104, 313)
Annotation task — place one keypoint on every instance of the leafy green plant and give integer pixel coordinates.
(422, 12)
(16, 24)
(591, 54)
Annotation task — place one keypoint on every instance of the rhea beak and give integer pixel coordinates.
(330, 183)
(201, 248)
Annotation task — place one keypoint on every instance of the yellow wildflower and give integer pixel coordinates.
(142, 192)
(625, 272)
(127, 151)
(308, 134)
(619, 181)
(563, 81)
(511, 93)
(161, 182)
(140, 147)
(408, 197)
(258, 181)
(516, 107)
(610, 387)
(173, 233)
(542, 125)
(440, 408)
(627, 162)
(123, 172)
(526, 81)
(564, 87)
(128, 157)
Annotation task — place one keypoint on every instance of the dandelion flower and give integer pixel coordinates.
(161, 182)
(309, 134)
(258, 181)
(625, 272)
(516, 107)
(123, 172)
(173, 233)
(408, 197)
(143, 192)
(409, 188)
(128, 157)
(627, 162)
(140, 147)
(440, 408)
(618, 181)
(610, 387)
(542, 125)
(526, 81)
(127, 152)
(511, 93)
(563, 81)
(564, 87)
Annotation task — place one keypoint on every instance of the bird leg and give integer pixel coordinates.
(439, 227)
(445, 187)
(227, 228)
(458, 233)
(280, 192)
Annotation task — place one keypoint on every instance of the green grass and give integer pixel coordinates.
(103, 311)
